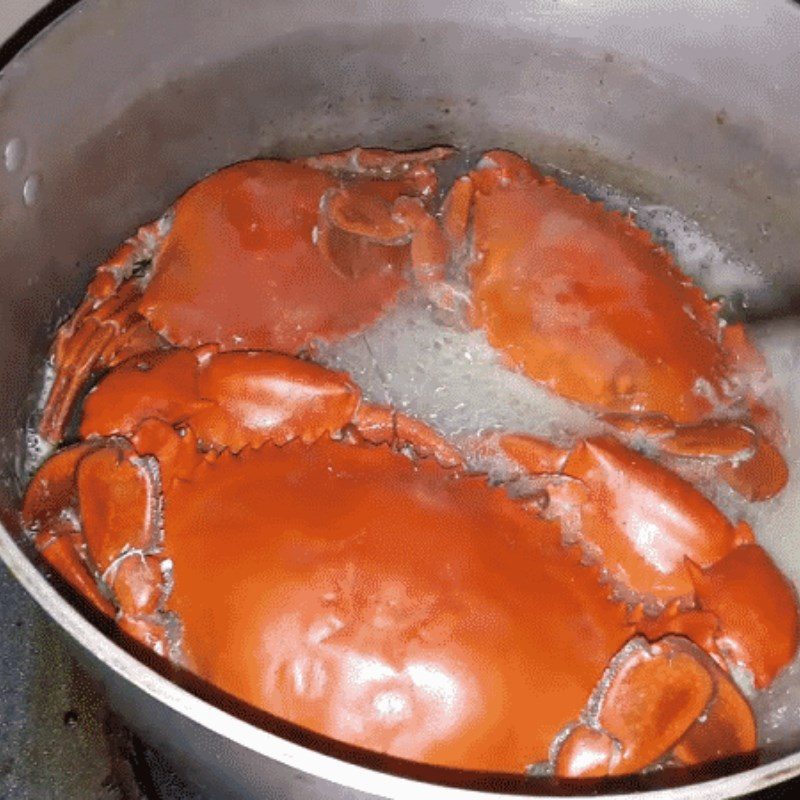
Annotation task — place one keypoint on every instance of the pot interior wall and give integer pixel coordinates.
(118, 109)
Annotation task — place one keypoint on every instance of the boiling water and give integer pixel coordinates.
(452, 379)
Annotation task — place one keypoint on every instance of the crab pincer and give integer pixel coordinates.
(657, 536)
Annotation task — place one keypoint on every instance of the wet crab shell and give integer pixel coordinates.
(408, 608)
(264, 254)
(395, 611)
(583, 301)
(373, 597)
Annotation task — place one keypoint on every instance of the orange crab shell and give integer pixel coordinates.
(270, 255)
(264, 254)
(658, 536)
(583, 300)
(393, 612)
(241, 264)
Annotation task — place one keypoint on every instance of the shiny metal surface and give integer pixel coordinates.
(121, 105)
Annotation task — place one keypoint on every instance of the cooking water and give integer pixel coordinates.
(452, 379)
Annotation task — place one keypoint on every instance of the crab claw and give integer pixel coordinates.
(231, 399)
(120, 512)
(727, 728)
(456, 211)
(140, 590)
(756, 607)
(367, 215)
(702, 627)
(119, 503)
(643, 520)
(656, 699)
(713, 438)
(759, 477)
(53, 488)
(356, 228)
(60, 549)
(750, 464)
(537, 456)
(176, 449)
(429, 248)
(57, 534)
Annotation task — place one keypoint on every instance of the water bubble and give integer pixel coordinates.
(14, 154)
(30, 190)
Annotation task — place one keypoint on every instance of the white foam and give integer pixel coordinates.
(777, 521)
(719, 272)
(37, 448)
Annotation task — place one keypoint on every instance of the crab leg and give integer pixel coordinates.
(537, 456)
(750, 463)
(429, 248)
(375, 215)
(378, 162)
(120, 511)
(759, 477)
(104, 324)
(456, 212)
(726, 730)
(722, 438)
(653, 531)
(239, 399)
(745, 613)
(57, 533)
(111, 556)
(61, 553)
(382, 425)
(650, 703)
(231, 399)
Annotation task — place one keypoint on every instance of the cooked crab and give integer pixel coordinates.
(264, 254)
(250, 515)
(583, 301)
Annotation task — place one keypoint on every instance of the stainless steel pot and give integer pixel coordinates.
(120, 105)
